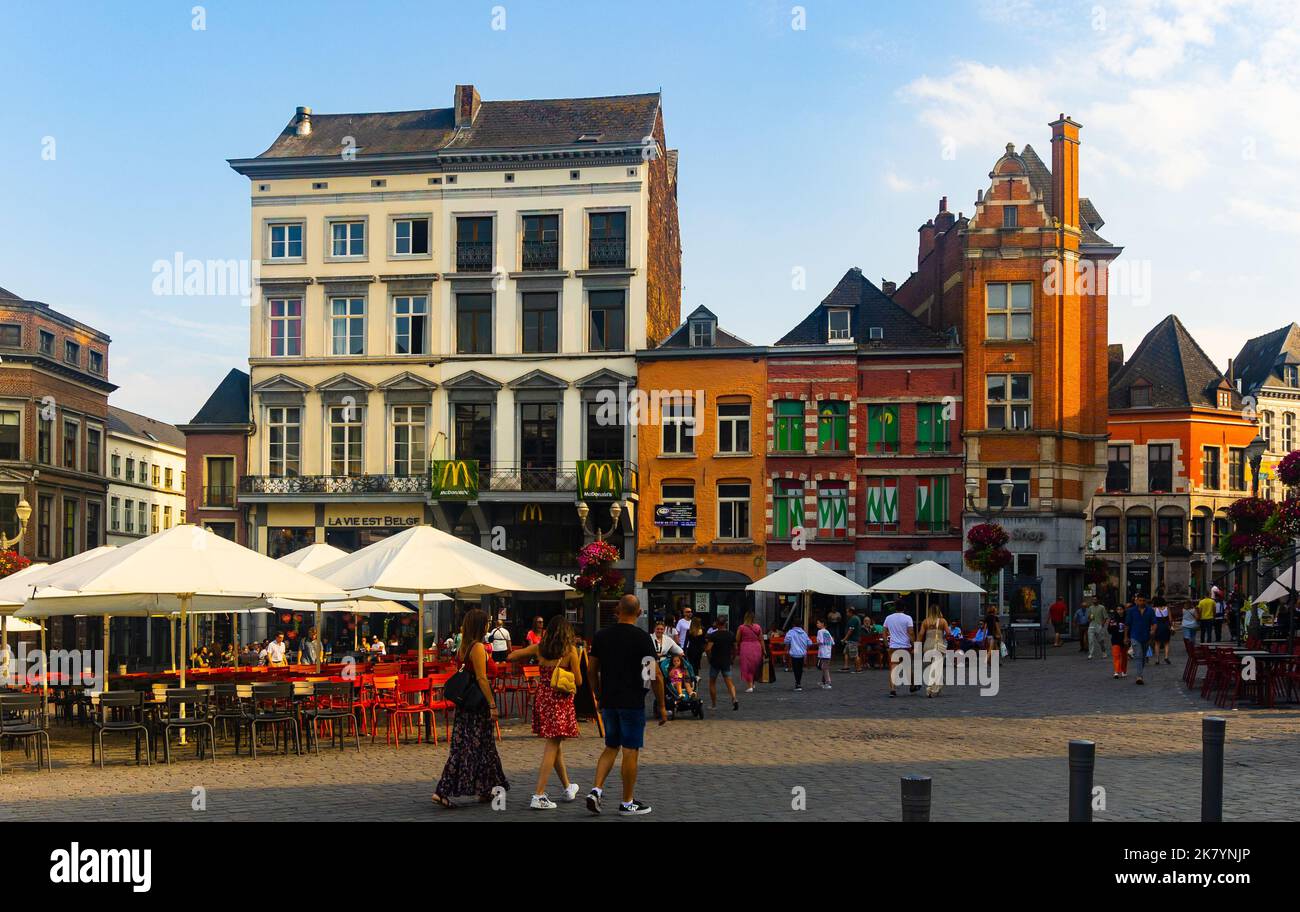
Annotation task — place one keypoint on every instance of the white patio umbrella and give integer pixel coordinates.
(928, 577)
(425, 561)
(806, 576)
(183, 570)
(1282, 586)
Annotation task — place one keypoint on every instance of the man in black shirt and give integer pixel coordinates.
(721, 647)
(623, 665)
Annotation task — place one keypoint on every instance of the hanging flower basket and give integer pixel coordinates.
(1288, 470)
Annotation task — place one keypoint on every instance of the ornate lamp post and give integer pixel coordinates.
(973, 490)
(1255, 454)
(615, 513)
(24, 512)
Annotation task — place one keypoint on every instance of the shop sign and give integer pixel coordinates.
(454, 479)
(675, 516)
(600, 479)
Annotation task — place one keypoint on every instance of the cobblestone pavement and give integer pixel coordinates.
(991, 758)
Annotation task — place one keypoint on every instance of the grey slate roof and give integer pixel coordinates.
(136, 425)
(681, 336)
(499, 125)
(1181, 374)
(870, 307)
(228, 403)
(1259, 361)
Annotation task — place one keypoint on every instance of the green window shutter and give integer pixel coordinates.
(924, 503)
(873, 429)
(889, 498)
(924, 428)
(789, 426)
(889, 416)
(940, 500)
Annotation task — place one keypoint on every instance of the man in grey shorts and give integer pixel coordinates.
(721, 648)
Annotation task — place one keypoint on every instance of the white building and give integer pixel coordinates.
(146, 476)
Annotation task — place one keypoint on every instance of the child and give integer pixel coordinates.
(825, 643)
(678, 680)
(1119, 655)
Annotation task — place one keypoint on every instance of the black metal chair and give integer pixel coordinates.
(334, 706)
(22, 716)
(272, 704)
(119, 711)
(186, 710)
(230, 706)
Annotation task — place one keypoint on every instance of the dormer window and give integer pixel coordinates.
(837, 322)
(876, 333)
(1291, 374)
(1225, 399)
(702, 333)
(1139, 395)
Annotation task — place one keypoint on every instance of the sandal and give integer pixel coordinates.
(444, 803)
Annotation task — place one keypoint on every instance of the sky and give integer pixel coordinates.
(813, 137)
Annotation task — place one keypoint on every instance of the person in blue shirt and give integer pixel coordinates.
(797, 642)
(1140, 621)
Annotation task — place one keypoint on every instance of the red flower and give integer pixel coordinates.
(1288, 470)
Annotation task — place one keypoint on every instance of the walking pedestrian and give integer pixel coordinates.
(934, 644)
(852, 642)
(721, 650)
(1096, 630)
(623, 665)
(1190, 625)
(1118, 655)
(1081, 626)
(554, 718)
(696, 640)
(1220, 613)
(683, 628)
(499, 639)
(473, 764)
(899, 627)
(750, 639)
(1057, 615)
(796, 644)
(1164, 626)
(825, 646)
(1140, 621)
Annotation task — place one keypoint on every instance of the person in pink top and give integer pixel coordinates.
(750, 636)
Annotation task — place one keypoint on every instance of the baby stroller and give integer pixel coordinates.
(688, 702)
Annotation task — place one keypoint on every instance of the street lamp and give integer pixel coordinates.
(615, 512)
(973, 490)
(1255, 454)
(24, 512)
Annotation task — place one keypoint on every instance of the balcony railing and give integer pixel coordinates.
(541, 256)
(474, 256)
(347, 485)
(607, 253)
(218, 496)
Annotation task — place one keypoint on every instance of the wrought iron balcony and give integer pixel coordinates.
(607, 253)
(346, 485)
(474, 256)
(541, 256)
(217, 496)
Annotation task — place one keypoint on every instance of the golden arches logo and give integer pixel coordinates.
(608, 477)
(457, 473)
(532, 513)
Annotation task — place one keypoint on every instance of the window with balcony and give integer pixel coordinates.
(680, 494)
(411, 237)
(1160, 467)
(474, 244)
(539, 444)
(286, 326)
(1019, 487)
(733, 510)
(604, 437)
(1236, 469)
(348, 326)
(733, 427)
(787, 507)
(882, 429)
(832, 509)
(789, 426)
(347, 239)
(219, 489)
(473, 430)
(1010, 313)
(284, 441)
(677, 422)
(607, 242)
(11, 445)
(410, 324)
(346, 430)
(1009, 403)
(285, 241)
(606, 324)
(1210, 467)
(474, 324)
(833, 426)
(409, 432)
(932, 431)
(882, 503)
(932, 503)
(541, 323)
(541, 243)
(1119, 468)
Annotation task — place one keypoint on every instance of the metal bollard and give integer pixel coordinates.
(916, 799)
(1213, 729)
(1083, 757)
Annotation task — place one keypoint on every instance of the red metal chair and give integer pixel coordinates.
(412, 702)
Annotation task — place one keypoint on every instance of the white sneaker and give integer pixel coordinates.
(571, 793)
(542, 803)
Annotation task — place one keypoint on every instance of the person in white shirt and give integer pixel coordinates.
(683, 627)
(377, 647)
(499, 641)
(899, 627)
(275, 652)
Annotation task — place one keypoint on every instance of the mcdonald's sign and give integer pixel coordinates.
(454, 479)
(600, 479)
(531, 513)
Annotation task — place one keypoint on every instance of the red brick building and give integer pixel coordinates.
(216, 455)
(1022, 282)
(864, 453)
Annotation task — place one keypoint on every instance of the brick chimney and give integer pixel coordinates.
(1065, 171)
(927, 242)
(467, 105)
(888, 287)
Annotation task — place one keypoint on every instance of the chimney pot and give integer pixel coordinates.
(943, 204)
(302, 121)
(467, 105)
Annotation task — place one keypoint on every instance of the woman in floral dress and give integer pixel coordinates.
(554, 718)
(473, 764)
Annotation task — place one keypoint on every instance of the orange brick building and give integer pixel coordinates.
(702, 396)
(1175, 461)
(1022, 283)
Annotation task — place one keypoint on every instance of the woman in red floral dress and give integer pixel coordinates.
(554, 718)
